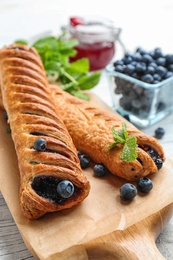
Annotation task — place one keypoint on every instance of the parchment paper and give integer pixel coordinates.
(61, 235)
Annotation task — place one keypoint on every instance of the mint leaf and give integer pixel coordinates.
(89, 82)
(74, 76)
(129, 153)
(81, 65)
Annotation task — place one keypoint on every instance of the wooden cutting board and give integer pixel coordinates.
(135, 242)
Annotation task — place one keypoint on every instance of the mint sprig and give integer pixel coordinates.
(121, 136)
(55, 53)
(74, 77)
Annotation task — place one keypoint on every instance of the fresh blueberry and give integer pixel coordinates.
(159, 163)
(128, 192)
(140, 67)
(84, 161)
(148, 78)
(118, 62)
(127, 59)
(153, 64)
(161, 61)
(135, 75)
(157, 77)
(168, 74)
(161, 71)
(170, 67)
(169, 58)
(65, 189)
(119, 68)
(137, 57)
(129, 69)
(144, 185)
(150, 70)
(147, 58)
(157, 53)
(141, 51)
(40, 144)
(99, 170)
(134, 63)
(159, 132)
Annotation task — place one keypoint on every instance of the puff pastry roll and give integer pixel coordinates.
(90, 129)
(50, 172)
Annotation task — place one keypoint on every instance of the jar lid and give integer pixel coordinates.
(91, 29)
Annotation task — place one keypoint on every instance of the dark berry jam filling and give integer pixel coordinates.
(155, 156)
(46, 187)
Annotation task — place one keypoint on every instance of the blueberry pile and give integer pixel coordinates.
(149, 67)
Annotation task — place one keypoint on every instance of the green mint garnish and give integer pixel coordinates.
(55, 53)
(75, 77)
(129, 153)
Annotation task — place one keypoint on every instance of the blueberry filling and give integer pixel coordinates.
(154, 155)
(53, 189)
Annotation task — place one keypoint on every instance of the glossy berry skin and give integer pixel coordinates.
(148, 78)
(129, 69)
(159, 163)
(144, 185)
(128, 192)
(156, 158)
(159, 132)
(84, 161)
(65, 189)
(40, 144)
(119, 68)
(99, 170)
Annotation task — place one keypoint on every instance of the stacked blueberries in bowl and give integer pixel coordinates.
(151, 67)
(141, 85)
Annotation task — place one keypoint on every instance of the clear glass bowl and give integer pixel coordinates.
(141, 103)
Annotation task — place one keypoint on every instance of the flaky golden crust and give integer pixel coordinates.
(90, 129)
(31, 112)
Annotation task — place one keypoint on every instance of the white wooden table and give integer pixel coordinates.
(147, 28)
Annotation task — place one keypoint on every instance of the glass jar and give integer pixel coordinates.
(143, 104)
(96, 40)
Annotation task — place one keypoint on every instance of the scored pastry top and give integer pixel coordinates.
(51, 176)
(90, 128)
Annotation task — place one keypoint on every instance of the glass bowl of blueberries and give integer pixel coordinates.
(141, 86)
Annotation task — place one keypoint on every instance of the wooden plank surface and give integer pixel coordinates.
(118, 245)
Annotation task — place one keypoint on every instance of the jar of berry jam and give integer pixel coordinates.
(96, 40)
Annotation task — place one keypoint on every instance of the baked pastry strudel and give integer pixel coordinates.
(50, 172)
(90, 128)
